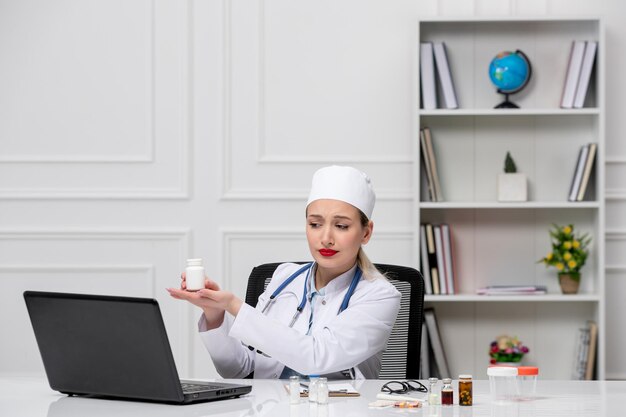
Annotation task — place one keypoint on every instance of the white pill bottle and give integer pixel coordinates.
(194, 274)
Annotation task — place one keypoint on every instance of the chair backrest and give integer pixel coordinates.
(401, 358)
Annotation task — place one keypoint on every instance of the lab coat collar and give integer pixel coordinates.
(336, 285)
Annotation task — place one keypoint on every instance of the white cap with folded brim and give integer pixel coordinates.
(345, 184)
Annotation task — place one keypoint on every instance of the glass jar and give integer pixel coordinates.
(322, 391)
(527, 382)
(294, 389)
(313, 388)
(447, 393)
(502, 384)
(434, 392)
(465, 389)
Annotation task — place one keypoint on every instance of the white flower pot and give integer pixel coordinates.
(512, 187)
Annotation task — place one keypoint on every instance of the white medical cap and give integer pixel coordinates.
(345, 184)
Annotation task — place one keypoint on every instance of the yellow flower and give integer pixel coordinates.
(567, 230)
(567, 256)
(560, 266)
(567, 245)
(576, 244)
(572, 264)
(549, 256)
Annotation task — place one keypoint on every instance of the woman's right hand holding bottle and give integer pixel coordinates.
(213, 315)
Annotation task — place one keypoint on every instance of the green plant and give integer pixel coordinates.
(569, 250)
(509, 164)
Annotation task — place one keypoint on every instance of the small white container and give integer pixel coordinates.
(194, 274)
(502, 384)
(512, 187)
(313, 379)
(527, 382)
(322, 390)
(294, 389)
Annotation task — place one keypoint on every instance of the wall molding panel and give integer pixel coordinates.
(142, 161)
(260, 161)
(108, 260)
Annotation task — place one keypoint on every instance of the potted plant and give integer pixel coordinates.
(507, 350)
(568, 255)
(511, 184)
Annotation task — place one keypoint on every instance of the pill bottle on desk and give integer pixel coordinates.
(527, 382)
(294, 389)
(465, 389)
(322, 390)
(313, 379)
(502, 384)
(447, 393)
(434, 392)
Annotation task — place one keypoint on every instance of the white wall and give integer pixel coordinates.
(136, 134)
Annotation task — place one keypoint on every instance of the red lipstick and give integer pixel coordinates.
(327, 252)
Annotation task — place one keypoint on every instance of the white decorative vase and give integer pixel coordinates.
(512, 187)
(511, 364)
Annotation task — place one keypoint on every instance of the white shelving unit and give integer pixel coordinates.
(500, 243)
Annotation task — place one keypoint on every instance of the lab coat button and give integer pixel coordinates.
(323, 302)
(274, 376)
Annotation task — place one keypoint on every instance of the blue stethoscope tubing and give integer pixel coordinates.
(307, 268)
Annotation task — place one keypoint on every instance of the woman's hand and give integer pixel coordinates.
(211, 300)
(213, 315)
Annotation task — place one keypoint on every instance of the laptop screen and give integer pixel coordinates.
(104, 345)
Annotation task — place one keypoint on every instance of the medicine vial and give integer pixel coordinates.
(313, 388)
(447, 393)
(465, 390)
(434, 392)
(322, 391)
(294, 389)
(194, 274)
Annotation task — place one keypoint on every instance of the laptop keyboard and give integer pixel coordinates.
(190, 388)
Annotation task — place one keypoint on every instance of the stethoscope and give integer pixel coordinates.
(308, 268)
(281, 287)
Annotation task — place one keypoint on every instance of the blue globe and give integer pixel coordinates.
(510, 73)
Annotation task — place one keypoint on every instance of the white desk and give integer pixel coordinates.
(22, 396)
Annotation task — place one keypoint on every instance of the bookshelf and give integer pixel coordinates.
(497, 243)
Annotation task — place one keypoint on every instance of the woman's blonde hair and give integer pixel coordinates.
(368, 269)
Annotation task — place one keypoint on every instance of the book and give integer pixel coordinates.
(581, 354)
(428, 287)
(445, 76)
(441, 265)
(573, 74)
(432, 259)
(591, 156)
(591, 356)
(427, 76)
(448, 258)
(424, 354)
(512, 290)
(439, 354)
(427, 167)
(433, 164)
(585, 73)
(578, 173)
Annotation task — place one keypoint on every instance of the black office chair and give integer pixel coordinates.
(401, 358)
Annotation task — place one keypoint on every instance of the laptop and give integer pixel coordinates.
(116, 347)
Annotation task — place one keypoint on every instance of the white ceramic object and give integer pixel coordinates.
(512, 187)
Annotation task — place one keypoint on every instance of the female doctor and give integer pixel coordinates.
(331, 317)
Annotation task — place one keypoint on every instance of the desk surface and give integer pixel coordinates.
(32, 397)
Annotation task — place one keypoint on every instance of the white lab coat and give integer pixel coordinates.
(355, 338)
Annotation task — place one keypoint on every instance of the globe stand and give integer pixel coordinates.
(506, 104)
